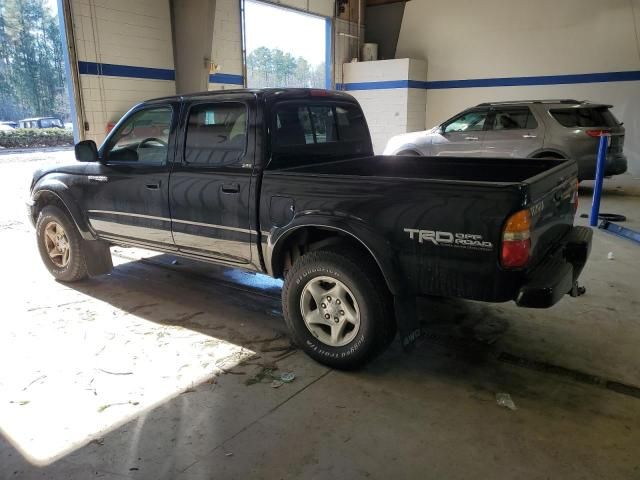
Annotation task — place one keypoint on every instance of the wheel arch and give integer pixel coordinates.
(549, 153)
(57, 193)
(300, 239)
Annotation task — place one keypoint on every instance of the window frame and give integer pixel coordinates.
(106, 146)
(241, 162)
(494, 113)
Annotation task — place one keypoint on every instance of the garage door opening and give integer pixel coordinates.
(285, 48)
(33, 78)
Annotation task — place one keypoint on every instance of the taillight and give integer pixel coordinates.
(516, 240)
(574, 200)
(597, 133)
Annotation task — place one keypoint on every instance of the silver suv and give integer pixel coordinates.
(524, 129)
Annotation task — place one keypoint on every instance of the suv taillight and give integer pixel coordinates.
(516, 240)
(597, 133)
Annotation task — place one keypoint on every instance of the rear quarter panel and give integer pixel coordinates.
(429, 237)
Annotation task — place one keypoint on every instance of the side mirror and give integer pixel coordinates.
(86, 151)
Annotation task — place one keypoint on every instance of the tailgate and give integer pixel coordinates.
(553, 202)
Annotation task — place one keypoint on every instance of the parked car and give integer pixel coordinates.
(284, 182)
(524, 129)
(9, 124)
(5, 128)
(41, 122)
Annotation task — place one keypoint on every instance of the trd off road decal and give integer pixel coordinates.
(448, 239)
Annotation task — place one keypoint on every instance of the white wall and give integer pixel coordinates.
(120, 32)
(193, 22)
(389, 111)
(227, 42)
(515, 38)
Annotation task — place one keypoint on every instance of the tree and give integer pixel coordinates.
(32, 76)
(274, 68)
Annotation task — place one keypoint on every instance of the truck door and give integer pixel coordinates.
(462, 135)
(210, 189)
(512, 132)
(126, 193)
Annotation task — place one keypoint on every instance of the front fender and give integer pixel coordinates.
(379, 248)
(51, 185)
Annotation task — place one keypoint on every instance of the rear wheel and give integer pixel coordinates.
(338, 308)
(60, 245)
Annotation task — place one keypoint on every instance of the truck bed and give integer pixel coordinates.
(384, 197)
(493, 170)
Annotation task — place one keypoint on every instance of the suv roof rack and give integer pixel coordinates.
(517, 102)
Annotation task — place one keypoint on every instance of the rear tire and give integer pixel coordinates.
(60, 244)
(345, 286)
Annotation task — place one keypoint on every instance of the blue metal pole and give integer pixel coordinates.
(597, 190)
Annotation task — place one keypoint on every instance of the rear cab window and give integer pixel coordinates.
(305, 132)
(584, 117)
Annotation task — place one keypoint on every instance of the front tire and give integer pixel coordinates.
(60, 244)
(338, 308)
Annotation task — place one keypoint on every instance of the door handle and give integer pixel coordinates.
(529, 136)
(230, 187)
(471, 138)
(153, 186)
(98, 178)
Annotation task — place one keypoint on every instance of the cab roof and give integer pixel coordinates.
(266, 93)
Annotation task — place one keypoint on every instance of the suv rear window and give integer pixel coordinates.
(584, 117)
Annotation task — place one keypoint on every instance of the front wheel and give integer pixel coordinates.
(60, 245)
(338, 308)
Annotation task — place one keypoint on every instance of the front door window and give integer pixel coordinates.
(142, 139)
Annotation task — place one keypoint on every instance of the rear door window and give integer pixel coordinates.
(514, 119)
(216, 134)
(584, 117)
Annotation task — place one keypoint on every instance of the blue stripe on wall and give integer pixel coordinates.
(604, 77)
(226, 78)
(128, 71)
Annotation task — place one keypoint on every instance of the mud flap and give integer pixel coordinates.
(98, 257)
(406, 310)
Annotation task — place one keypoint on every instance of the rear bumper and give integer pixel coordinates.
(556, 276)
(615, 164)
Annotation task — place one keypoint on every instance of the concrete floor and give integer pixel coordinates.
(162, 371)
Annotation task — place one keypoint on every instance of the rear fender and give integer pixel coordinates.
(379, 249)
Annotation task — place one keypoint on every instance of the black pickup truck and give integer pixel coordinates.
(284, 181)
